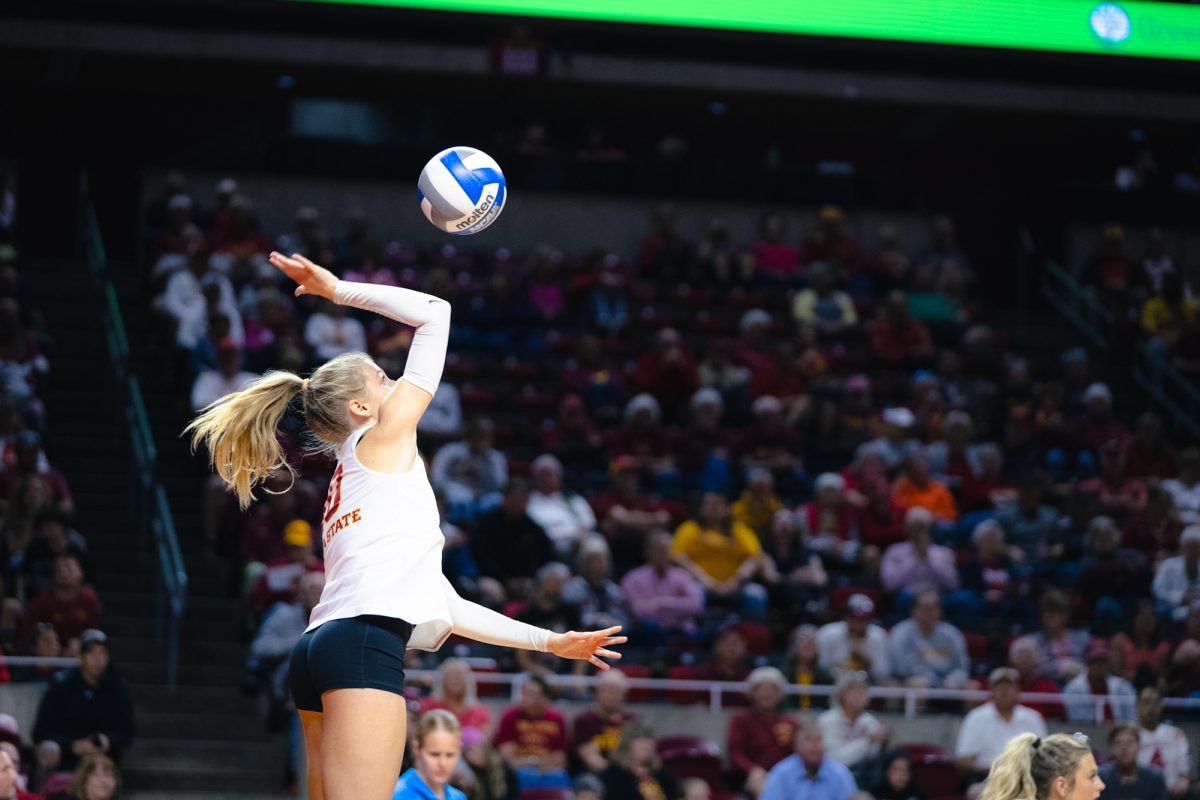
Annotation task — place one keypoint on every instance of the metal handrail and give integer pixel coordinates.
(1075, 302)
(150, 499)
(715, 690)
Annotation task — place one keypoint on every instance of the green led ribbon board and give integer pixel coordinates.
(1098, 27)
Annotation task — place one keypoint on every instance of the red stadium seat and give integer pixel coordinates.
(758, 638)
(919, 750)
(977, 646)
(692, 757)
(546, 794)
(936, 775)
(684, 696)
(637, 671)
(58, 785)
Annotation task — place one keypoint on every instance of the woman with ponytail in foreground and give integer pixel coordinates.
(384, 589)
(1059, 767)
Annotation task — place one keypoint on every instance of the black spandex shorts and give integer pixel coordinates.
(365, 652)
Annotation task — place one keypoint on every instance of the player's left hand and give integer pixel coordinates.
(589, 646)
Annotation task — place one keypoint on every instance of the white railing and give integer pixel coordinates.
(912, 699)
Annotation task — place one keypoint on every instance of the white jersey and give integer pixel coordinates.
(383, 544)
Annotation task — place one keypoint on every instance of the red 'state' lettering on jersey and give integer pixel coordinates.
(333, 498)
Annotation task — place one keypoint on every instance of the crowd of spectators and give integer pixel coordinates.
(48, 608)
(816, 453)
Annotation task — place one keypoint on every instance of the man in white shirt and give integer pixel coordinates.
(1162, 745)
(853, 736)
(213, 384)
(1177, 581)
(566, 518)
(987, 729)
(856, 643)
(472, 473)
(332, 332)
(1185, 490)
(192, 294)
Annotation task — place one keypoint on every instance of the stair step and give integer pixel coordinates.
(206, 778)
(187, 754)
(199, 725)
(132, 649)
(224, 700)
(203, 674)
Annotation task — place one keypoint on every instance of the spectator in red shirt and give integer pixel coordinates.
(454, 691)
(774, 259)
(897, 338)
(988, 488)
(832, 244)
(572, 438)
(29, 459)
(626, 515)
(645, 440)
(280, 581)
(240, 238)
(668, 373)
(68, 605)
(770, 443)
(830, 522)
(1148, 454)
(1119, 495)
(532, 739)
(598, 731)
(728, 662)
(761, 736)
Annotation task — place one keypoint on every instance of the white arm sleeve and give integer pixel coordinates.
(484, 625)
(428, 314)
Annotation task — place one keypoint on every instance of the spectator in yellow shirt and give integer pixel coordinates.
(1165, 315)
(759, 503)
(724, 555)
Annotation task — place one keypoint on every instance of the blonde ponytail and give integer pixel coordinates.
(1027, 767)
(239, 432)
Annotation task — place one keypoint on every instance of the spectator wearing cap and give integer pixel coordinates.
(1185, 489)
(532, 739)
(853, 736)
(822, 305)
(758, 503)
(664, 599)
(10, 780)
(280, 579)
(830, 523)
(895, 443)
(510, 543)
(86, 710)
(601, 602)
(627, 516)
(986, 729)
(804, 666)
(918, 563)
(668, 373)
(808, 774)
(761, 736)
(897, 338)
(564, 516)
(770, 443)
(856, 644)
(722, 554)
(331, 332)
(280, 630)
(213, 384)
(1177, 581)
(471, 473)
(928, 652)
(1097, 679)
(917, 488)
(1125, 778)
(68, 605)
(1161, 745)
(600, 730)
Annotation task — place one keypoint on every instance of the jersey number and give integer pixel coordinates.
(333, 498)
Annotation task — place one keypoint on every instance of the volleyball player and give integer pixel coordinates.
(384, 589)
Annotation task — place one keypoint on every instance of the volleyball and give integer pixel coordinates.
(462, 190)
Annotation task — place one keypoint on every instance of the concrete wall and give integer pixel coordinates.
(21, 700)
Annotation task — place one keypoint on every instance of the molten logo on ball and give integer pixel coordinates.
(462, 190)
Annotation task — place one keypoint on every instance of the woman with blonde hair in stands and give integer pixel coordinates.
(439, 747)
(454, 691)
(1059, 767)
(96, 779)
(381, 535)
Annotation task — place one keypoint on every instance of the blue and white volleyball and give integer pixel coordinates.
(462, 190)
